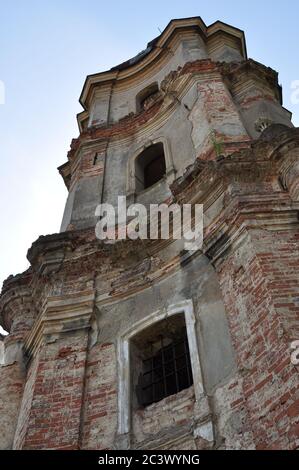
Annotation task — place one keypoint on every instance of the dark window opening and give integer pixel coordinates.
(154, 171)
(143, 96)
(95, 159)
(165, 368)
(150, 167)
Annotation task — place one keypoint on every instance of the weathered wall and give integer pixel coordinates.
(11, 390)
(100, 401)
(68, 315)
(50, 415)
(203, 110)
(196, 280)
(124, 102)
(261, 318)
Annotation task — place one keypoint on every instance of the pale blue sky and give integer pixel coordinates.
(47, 48)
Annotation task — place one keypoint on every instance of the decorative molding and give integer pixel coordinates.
(170, 169)
(262, 124)
(59, 315)
(124, 368)
(159, 49)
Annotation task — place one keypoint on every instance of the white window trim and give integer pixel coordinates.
(123, 356)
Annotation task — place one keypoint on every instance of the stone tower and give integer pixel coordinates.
(140, 344)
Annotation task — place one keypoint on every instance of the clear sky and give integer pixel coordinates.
(47, 47)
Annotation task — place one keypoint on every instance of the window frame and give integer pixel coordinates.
(143, 174)
(131, 179)
(144, 94)
(123, 358)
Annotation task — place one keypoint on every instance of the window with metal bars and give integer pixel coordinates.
(166, 372)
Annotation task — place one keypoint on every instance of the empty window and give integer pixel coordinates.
(144, 96)
(150, 167)
(161, 361)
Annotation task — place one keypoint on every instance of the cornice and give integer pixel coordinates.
(256, 158)
(238, 73)
(15, 294)
(227, 179)
(157, 48)
(202, 181)
(60, 314)
(173, 89)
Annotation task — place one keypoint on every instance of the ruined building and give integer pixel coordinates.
(141, 344)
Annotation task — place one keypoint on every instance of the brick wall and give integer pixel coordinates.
(51, 411)
(253, 280)
(11, 389)
(100, 402)
(168, 417)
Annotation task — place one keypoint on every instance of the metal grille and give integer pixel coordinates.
(167, 372)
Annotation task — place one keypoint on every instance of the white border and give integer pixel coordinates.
(123, 357)
(170, 170)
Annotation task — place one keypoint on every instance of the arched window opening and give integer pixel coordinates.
(144, 95)
(161, 359)
(150, 167)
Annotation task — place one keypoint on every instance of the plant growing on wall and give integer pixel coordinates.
(218, 145)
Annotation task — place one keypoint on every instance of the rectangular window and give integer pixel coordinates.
(166, 372)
